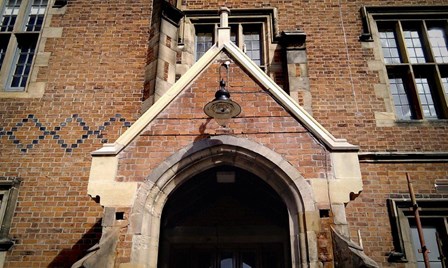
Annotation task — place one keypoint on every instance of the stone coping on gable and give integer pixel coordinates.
(318, 131)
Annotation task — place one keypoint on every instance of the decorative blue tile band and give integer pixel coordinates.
(53, 133)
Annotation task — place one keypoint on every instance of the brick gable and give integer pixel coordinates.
(184, 122)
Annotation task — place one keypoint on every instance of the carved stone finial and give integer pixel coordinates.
(224, 16)
(223, 29)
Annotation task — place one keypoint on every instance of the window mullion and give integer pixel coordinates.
(263, 43)
(400, 42)
(415, 99)
(24, 31)
(9, 14)
(24, 56)
(415, 53)
(410, 76)
(215, 33)
(4, 203)
(440, 248)
(8, 60)
(427, 44)
(445, 224)
(4, 42)
(249, 34)
(440, 92)
(9, 63)
(18, 27)
(24, 51)
(240, 37)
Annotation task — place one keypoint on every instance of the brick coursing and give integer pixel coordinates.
(94, 88)
(383, 181)
(184, 122)
(96, 71)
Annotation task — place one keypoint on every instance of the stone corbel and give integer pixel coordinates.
(102, 183)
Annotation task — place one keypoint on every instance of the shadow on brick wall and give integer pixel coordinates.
(67, 257)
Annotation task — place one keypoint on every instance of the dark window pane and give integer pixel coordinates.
(40, 20)
(226, 260)
(31, 22)
(15, 81)
(204, 260)
(204, 40)
(10, 10)
(36, 14)
(4, 40)
(233, 33)
(23, 60)
(272, 258)
(180, 259)
(248, 260)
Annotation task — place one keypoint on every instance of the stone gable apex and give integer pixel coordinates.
(296, 111)
(115, 177)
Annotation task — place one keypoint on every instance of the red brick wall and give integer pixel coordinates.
(94, 84)
(344, 101)
(95, 75)
(332, 84)
(334, 106)
(153, 48)
(368, 213)
(261, 120)
(184, 122)
(343, 97)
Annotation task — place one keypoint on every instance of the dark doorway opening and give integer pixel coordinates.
(224, 217)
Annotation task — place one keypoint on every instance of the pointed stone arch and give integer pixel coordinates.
(223, 150)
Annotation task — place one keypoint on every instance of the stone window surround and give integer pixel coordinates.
(303, 197)
(9, 190)
(344, 177)
(266, 18)
(222, 150)
(183, 57)
(35, 88)
(262, 15)
(238, 28)
(370, 40)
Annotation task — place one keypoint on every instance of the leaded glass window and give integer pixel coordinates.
(21, 24)
(415, 53)
(10, 11)
(245, 35)
(36, 16)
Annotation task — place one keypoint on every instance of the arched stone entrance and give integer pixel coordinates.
(224, 217)
(207, 155)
